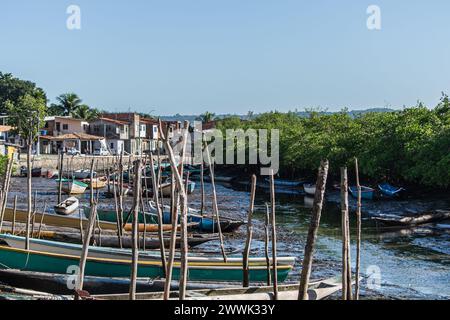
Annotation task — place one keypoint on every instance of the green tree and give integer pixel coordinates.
(68, 103)
(84, 112)
(26, 116)
(12, 89)
(206, 117)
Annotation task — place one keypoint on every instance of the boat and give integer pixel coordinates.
(317, 290)
(206, 223)
(83, 174)
(57, 283)
(366, 192)
(151, 227)
(389, 190)
(285, 183)
(18, 242)
(435, 216)
(97, 183)
(67, 207)
(72, 186)
(167, 188)
(310, 189)
(55, 220)
(35, 172)
(42, 261)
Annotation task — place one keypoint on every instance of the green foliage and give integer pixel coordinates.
(412, 145)
(3, 164)
(206, 117)
(26, 116)
(84, 112)
(12, 89)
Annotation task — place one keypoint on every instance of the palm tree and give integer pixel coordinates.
(68, 103)
(85, 113)
(206, 117)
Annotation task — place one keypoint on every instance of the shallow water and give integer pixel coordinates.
(413, 263)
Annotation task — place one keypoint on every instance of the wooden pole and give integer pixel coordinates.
(29, 170)
(215, 206)
(246, 254)
(88, 235)
(266, 244)
(313, 229)
(60, 175)
(5, 189)
(274, 238)
(178, 174)
(116, 206)
(358, 230)
(159, 210)
(344, 214)
(202, 184)
(134, 236)
(14, 215)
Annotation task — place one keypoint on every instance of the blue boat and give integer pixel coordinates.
(389, 190)
(366, 192)
(206, 223)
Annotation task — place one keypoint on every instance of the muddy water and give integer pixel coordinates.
(412, 263)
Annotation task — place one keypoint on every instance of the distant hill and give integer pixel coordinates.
(192, 118)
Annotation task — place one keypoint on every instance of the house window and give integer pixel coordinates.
(58, 126)
(111, 146)
(65, 127)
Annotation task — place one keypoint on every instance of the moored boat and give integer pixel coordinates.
(97, 183)
(35, 172)
(41, 261)
(310, 189)
(366, 192)
(67, 207)
(72, 186)
(83, 174)
(389, 190)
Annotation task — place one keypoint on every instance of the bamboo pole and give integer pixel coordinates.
(5, 189)
(274, 238)
(182, 192)
(160, 216)
(116, 206)
(313, 229)
(246, 254)
(88, 235)
(42, 220)
(358, 230)
(14, 215)
(266, 244)
(202, 184)
(60, 175)
(29, 170)
(215, 206)
(134, 235)
(344, 214)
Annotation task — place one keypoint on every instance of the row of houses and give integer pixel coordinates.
(110, 134)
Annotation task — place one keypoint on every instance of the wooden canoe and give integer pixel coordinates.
(97, 183)
(153, 227)
(56, 220)
(430, 217)
(318, 290)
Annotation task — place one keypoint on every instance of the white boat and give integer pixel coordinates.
(83, 174)
(67, 207)
(310, 189)
(71, 186)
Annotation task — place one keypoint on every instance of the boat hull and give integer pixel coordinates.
(36, 261)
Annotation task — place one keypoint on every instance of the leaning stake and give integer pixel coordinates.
(245, 268)
(313, 228)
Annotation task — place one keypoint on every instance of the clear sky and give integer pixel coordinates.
(230, 56)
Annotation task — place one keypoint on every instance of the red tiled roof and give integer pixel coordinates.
(119, 122)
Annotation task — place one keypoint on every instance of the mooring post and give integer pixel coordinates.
(14, 215)
(358, 230)
(60, 175)
(313, 229)
(245, 268)
(344, 215)
(266, 244)
(274, 237)
(134, 235)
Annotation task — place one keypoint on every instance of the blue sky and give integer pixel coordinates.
(230, 56)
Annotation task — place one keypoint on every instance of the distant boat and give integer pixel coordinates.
(83, 174)
(366, 192)
(423, 218)
(35, 173)
(166, 188)
(310, 189)
(97, 183)
(67, 207)
(389, 190)
(285, 183)
(72, 186)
